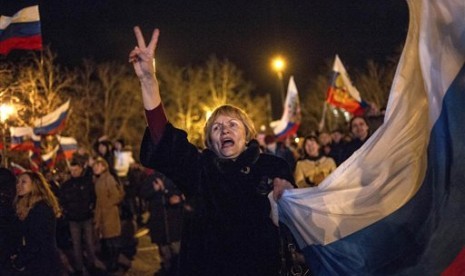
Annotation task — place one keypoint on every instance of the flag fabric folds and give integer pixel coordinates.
(395, 207)
(19, 26)
(341, 93)
(291, 118)
(52, 123)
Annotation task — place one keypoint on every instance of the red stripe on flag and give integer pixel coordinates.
(21, 43)
(457, 267)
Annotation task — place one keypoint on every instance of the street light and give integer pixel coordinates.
(278, 64)
(5, 112)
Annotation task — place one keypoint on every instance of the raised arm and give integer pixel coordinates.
(142, 58)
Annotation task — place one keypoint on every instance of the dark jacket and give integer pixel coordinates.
(38, 252)
(7, 216)
(352, 147)
(77, 197)
(231, 232)
(285, 153)
(165, 222)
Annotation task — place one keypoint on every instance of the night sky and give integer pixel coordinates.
(248, 33)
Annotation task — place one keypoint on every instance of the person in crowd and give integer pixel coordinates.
(109, 195)
(165, 222)
(7, 217)
(123, 159)
(314, 167)
(104, 148)
(231, 231)
(337, 146)
(54, 178)
(78, 202)
(136, 177)
(37, 209)
(324, 139)
(279, 149)
(360, 133)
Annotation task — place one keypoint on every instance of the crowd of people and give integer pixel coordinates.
(209, 209)
(81, 221)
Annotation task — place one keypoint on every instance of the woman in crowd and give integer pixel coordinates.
(314, 166)
(109, 195)
(231, 232)
(37, 209)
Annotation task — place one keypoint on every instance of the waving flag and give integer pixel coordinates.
(290, 120)
(396, 207)
(19, 26)
(52, 123)
(23, 139)
(68, 146)
(341, 93)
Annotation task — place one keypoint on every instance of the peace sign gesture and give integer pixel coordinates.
(142, 56)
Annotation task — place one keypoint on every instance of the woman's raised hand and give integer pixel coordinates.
(142, 56)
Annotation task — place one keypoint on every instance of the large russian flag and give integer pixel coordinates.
(291, 118)
(19, 26)
(397, 205)
(52, 123)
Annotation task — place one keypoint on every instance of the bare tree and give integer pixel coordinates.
(190, 93)
(107, 101)
(41, 86)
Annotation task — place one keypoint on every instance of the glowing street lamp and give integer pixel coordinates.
(278, 64)
(5, 112)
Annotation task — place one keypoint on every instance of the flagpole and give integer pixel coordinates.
(321, 125)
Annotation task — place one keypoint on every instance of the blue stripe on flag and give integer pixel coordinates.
(20, 30)
(52, 127)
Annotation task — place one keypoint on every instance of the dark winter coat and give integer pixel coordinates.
(38, 252)
(352, 147)
(231, 232)
(165, 222)
(7, 215)
(77, 197)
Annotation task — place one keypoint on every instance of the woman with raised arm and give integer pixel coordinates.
(231, 232)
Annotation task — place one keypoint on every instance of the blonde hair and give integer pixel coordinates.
(101, 160)
(232, 111)
(40, 191)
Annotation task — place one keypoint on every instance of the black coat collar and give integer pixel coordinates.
(243, 163)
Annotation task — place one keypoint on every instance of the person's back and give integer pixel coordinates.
(77, 197)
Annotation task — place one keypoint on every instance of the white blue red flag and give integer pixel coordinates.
(342, 93)
(19, 26)
(52, 123)
(291, 118)
(396, 206)
(68, 146)
(23, 139)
